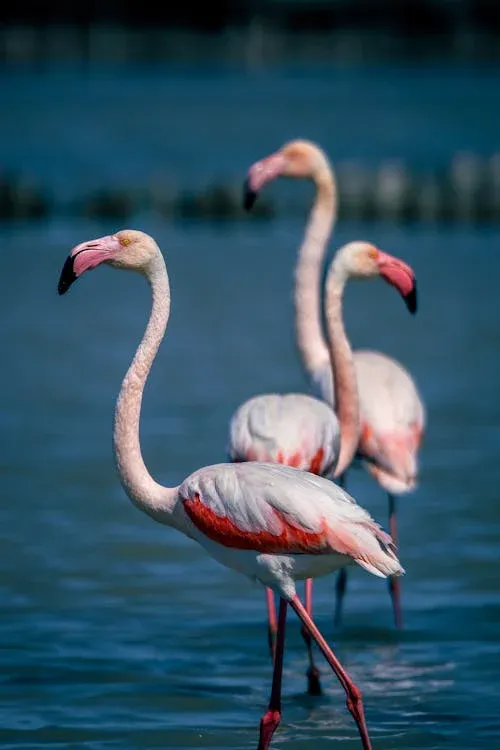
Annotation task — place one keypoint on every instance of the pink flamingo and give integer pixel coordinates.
(391, 410)
(274, 524)
(301, 431)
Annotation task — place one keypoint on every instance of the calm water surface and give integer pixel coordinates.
(119, 633)
(75, 131)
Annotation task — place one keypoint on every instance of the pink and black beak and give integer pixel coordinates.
(67, 277)
(401, 275)
(249, 195)
(259, 173)
(411, 298)
(84, 257)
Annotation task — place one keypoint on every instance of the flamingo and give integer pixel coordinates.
(274, 524)
(392, 412)
(298, 430)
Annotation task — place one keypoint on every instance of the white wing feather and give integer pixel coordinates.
(295, 424)
(388, 396)
(248, 494)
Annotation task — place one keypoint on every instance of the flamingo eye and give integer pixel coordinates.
(373, 253)
(125, 241)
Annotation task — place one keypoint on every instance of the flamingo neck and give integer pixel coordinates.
(142, 489)
(309, 330)
(343, 368)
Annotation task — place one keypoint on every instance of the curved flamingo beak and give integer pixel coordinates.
(259, 173)
(400, 275)
(84, 257)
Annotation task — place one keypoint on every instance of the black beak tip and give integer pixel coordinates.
(249, 196)
(412, 300)
(67, 276)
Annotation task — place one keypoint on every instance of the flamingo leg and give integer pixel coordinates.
(313, 683)
(354, 700)
(341, 584)
(394, 583)
(272, 627)
(272, 717)
(340, 589)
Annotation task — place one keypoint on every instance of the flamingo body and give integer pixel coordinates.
(392, 418)
(291, 429)
(278, 524)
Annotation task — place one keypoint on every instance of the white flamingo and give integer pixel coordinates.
(391, 409)
(298, 430)
(274, 524)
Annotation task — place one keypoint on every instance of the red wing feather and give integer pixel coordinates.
(291, 540)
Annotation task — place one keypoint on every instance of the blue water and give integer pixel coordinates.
(119, 633)
(173, 127)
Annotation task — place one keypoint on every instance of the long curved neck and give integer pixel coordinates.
(343, 368)
(136, 480)
(307, 297)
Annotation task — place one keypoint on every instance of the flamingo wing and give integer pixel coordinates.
(292, 429)
(277, 509)
(392, 420)
(389, 398)
(392, 416)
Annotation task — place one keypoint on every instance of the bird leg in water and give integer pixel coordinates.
(341, 584)
(313, 683)
(394, 583)
(340, 588)
(354, 699)
(272, 624)
(272, 717)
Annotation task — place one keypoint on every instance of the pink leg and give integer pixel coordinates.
(313, 683)
(272, 624)
(272, 717)
(394, 581)
(354, 699)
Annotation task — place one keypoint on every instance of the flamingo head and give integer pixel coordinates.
(364, 260)
(299, 159)
(128, 248)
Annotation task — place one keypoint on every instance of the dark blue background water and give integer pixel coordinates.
(117, 632)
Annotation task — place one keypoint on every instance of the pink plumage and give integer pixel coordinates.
(392, 418)
(292, 429)
(294, 513)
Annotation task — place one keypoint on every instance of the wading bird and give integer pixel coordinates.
(391, 409)
(275, 524)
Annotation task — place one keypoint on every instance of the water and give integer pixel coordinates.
(119, 633)
(76, 132)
